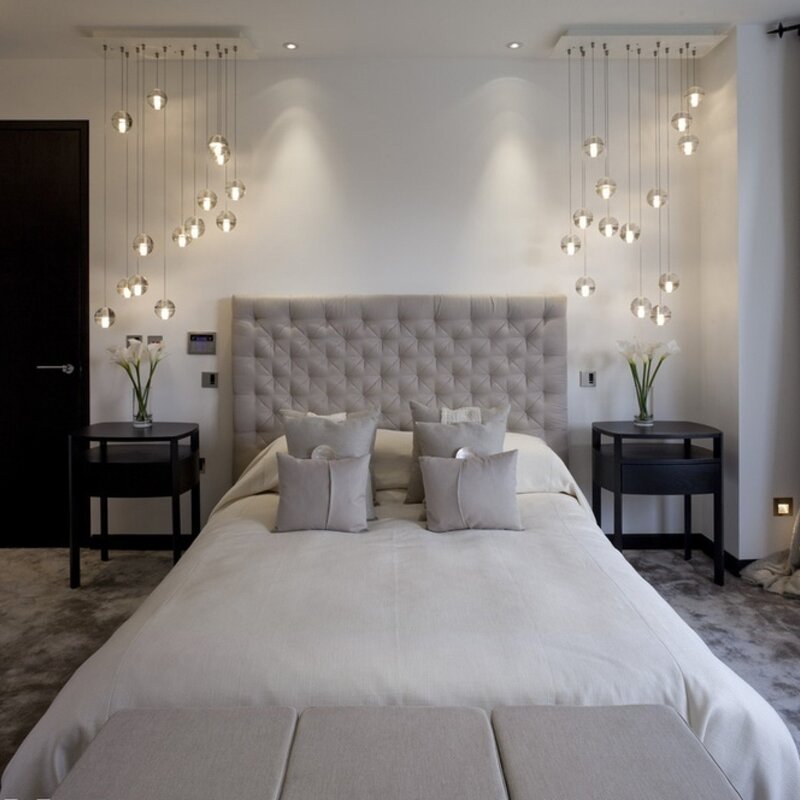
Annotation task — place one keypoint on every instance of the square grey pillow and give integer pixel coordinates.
(485, 437)
(322, 494)
(475, 492)
(348, 438)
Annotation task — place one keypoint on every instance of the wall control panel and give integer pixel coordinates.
(202, 343)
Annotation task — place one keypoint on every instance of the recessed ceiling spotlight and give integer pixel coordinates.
(290, 45)
(514, 45)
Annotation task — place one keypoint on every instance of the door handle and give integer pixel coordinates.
(67, 369)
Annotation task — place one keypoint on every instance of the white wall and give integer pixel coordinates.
(387, 176)
(769, 284)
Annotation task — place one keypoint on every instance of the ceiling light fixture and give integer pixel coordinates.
(180, 235)
(514, 45)
(695, 93)
(290, 45)
(640, 305)
(668, 281)
(593, 145)
(629, 232)
(235, 189)
(660, 314)
(207, 198)
(571, 243)
(607, 186)
(194, 224)
(164, 308)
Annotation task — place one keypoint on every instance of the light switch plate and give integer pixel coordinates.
(588, 379)
(209, 380)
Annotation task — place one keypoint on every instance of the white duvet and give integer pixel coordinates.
(399, 615)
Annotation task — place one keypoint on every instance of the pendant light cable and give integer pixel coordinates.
(628, 89)
(607, 105)
(194, 121)
(206, 116)
(124, 69)
(669, 190)
(235, 111)
(594, 129)
(144, 139)
(105, 176)
(164, 187)
(658, 159)
(181, 187)
(225, 126)
(138, 166)
(569, 134)
(583, 127)
(639, 142)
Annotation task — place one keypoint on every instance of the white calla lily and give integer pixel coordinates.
(130, 359)
(641, 358)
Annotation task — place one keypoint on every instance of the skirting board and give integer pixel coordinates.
(674, 541)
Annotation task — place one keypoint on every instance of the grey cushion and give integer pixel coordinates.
(348, 353)
(477, 492)
(605, 753)
(185, 755)
(393, 753)
(445, 439)
(422, 413)
(322, 494)
(350, 438)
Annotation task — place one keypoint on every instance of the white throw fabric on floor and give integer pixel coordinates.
(780, 572)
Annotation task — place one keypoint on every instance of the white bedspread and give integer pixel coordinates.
(400, 615)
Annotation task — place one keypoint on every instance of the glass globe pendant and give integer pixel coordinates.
(682, 121)
(221, 157)
(593, 147)
(207, 199)
(583, 218)
(124, 289)
(688, 144)
(669, 282)
(217, 143)
(138, 285)
(181, 237)
(235, 189)
(640, 307)
(195, 226)
(142, 245)
(121, 121)
(606, 188)
(164, 309)
(695, 95)
(104, 317)
(157, 99)
(585, 286)
(660, 314)
(571, 244)
(657, 198)
(226, 221)
(609, 226)
(630, 232)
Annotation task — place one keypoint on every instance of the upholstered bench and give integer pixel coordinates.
(394, 753)
(604, 753)
(185, 755)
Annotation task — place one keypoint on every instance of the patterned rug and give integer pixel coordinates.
(48, 630)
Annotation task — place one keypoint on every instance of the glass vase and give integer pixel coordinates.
(142, 416)
(644, 419)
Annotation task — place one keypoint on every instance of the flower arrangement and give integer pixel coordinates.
(136, 359)
(645, 361)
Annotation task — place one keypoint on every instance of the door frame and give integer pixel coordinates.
(82, 128)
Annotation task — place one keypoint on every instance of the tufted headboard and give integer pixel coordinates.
(327, 354)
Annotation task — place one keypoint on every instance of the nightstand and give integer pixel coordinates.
(130, 462)
(660, 460)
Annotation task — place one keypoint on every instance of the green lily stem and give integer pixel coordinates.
(142, 394)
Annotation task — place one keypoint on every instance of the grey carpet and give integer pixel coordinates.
(48, 630)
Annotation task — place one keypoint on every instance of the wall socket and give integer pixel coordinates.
(209, 380)
(588, 378)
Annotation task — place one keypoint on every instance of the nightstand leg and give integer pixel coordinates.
(687, 527)
(104, 529)
(618, 520)
(195, 510)
(597, 503)
(74, 533)
(176, 504)
(719, 543)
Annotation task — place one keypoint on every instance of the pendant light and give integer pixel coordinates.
(640, 305)
(218, 144)
(180, 235)
(235, 189)
(657, 197)
(194, 224)
(164, 309)
(121, 120)
(593, 145)
(105, 316)
(606, 186)
(660, 314)
(695, 93)
(668, 281)
(585, 286)
(142, 243)
(157, 98)
(629, 232)
(123, 285)
(682, 119)
(571, 243)
(226, 220)
(583, 217)
(207, 198)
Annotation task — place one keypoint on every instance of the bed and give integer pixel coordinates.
(551, 614)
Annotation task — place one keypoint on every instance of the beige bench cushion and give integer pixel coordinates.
(185, 755)
(604, 753)
(394, 753)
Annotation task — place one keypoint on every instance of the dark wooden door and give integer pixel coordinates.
(44, 276)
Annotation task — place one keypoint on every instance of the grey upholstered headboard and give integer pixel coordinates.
(327, 354)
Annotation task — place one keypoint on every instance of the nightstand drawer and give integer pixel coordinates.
(685, 478)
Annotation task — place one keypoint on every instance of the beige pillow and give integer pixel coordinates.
(475, 492)
(485, 437)
(322, 494)
(349, 438)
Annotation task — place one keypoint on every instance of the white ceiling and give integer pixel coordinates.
(400, 28)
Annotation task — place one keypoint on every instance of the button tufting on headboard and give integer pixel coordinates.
(327, 354)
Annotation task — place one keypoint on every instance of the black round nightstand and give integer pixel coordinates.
(130, 462)
(660, 460)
